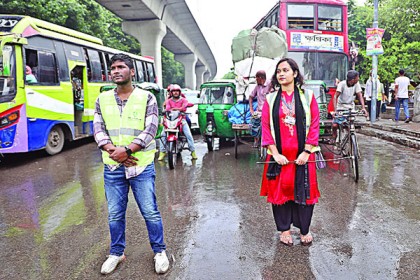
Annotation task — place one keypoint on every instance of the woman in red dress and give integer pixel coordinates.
(290, 131)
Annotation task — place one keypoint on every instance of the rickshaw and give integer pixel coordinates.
(216, 98)
(320, 91)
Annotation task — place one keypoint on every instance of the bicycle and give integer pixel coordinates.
(347, 140)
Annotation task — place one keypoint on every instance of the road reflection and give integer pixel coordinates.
(41, 203)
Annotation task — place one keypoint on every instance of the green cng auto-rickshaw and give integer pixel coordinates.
(216, 98)
(320, 91)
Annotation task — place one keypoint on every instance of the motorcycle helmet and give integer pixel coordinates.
(175, 87)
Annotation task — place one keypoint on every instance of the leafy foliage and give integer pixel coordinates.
(401, 40)
(172, 71)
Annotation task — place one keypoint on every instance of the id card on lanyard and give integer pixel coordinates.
(289, 119)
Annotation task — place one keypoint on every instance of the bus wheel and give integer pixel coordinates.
(55, 141)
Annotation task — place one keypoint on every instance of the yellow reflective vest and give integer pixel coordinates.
(123, 128)
(306, 97)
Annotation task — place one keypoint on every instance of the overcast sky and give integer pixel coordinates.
(221, 20)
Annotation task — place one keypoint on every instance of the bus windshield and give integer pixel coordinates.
(324, 66)
(7, 74)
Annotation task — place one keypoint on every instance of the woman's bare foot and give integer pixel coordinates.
(286, 238)
(306, 240)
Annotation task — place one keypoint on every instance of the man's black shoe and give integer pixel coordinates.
(407, 120)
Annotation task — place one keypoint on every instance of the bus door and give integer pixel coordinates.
(78, 78)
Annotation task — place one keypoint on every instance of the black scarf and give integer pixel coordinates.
(302, 175)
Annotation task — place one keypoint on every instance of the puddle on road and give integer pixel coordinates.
(383, 225)
(213, 248)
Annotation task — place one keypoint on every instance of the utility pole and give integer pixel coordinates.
(374, 69)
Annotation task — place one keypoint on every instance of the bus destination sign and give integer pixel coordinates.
(311, 41)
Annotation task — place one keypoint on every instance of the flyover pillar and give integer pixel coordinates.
(199, 71)
(189, 61)
(149, 34)
(206, 76)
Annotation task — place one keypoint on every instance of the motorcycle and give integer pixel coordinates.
(176, 141)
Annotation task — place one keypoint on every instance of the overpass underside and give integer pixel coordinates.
(167, 23)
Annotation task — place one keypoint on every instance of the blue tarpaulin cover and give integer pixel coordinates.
(240, 114)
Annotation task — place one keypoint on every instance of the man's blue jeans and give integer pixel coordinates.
(187, 132)
(143, 187)
(404, 102)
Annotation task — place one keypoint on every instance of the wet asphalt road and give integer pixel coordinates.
(53, 219)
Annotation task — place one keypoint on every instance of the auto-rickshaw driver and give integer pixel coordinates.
(177, 103)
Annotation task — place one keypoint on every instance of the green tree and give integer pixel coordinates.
(401, 40)
(173, 71)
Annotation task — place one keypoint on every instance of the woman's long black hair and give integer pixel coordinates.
(299, 78)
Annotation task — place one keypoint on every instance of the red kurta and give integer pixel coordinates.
(281, 190)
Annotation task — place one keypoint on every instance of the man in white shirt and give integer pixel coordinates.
(401, 96)
(344, 99)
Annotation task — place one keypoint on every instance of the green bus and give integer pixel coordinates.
(50, 78)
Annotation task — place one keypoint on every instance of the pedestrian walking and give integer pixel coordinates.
(290, 131)
(125, 125)
(401, 96)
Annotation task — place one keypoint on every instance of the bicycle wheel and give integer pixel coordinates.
(345, 146)
(354, 157)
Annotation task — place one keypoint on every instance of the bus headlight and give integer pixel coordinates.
(9, 119)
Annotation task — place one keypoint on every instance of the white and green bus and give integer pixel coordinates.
(50, 77)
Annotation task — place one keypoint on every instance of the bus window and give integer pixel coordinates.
(88, 68)
(300, 16)
(268, 22)
(140, 72)
(150, 72)
(108, 64)
(47, 68)
(274, 20)
(63, 70)
(306, 62)
(103, 67)
(7, 79)
(95, 66)
(329, 18)
(74, 52)
(31, 58)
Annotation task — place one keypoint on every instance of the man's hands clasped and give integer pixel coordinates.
(119, 155)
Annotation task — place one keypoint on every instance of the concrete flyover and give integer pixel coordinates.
(168, 23)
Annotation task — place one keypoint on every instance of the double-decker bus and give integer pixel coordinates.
(50, 78)
(316, 32)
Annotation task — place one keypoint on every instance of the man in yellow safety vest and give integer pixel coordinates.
(125, 124)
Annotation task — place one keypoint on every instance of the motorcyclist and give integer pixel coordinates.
(177, 103)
